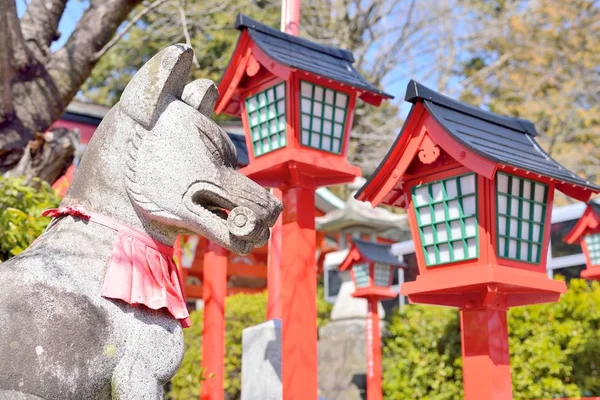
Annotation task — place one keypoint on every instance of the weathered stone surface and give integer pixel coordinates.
(261, 362)
(162, 167)
(343, 360)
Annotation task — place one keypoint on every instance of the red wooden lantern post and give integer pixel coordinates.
(274, 267)
(587, 232)
(478, 190)
(372, 269)
(214, 292)
(296, 99)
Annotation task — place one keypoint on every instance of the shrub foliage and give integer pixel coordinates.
(20, 214)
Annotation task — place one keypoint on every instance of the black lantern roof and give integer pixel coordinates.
(504, 140)
(296, 52)
(377, 252)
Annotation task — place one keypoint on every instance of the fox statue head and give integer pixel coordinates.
(159, 163)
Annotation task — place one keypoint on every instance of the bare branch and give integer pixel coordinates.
(14, 56)
(128, 26)
(72, 64)
(16, 49)
(40, 23)
(186, 33)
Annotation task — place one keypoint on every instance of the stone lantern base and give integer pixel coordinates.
(343, 360)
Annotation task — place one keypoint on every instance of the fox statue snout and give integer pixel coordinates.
(180, 170)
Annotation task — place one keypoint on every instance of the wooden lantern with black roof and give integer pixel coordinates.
(296, 99)
(587, 233)
(478, 190)
(372, 266)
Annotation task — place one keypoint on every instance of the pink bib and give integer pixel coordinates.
(140, 271)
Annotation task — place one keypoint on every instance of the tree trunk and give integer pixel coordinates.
(47, 156)
(36, 85)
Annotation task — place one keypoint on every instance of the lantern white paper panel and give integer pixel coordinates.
(521, 207)
(382, 274)
(267, 119)
(323, 117)
(447, 217)
(361, 274)
(593, 245)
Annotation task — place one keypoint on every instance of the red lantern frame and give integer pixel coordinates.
(461, 282)
(588, 224)
(372, 291)
(251, 71)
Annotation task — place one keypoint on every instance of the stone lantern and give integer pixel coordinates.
(372, 267)
(478, 190)
(587, 232)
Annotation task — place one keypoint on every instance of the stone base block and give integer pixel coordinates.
(261, 362)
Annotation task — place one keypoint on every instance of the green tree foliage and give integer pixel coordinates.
(21, 208)
(241, 311)
(554, 349)
(539, 60)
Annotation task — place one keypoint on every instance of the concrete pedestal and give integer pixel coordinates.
(261, 362)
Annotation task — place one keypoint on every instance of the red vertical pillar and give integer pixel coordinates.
(274, 267)
(214, 292)
(299, 294)
(374, 391)
(486, 361)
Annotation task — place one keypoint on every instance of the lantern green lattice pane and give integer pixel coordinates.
(521, 205)
(382, 275)
(446, 212)
(323, 117)
(361, 275)
(593, 245)
(267, 119)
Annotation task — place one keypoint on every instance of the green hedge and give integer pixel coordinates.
(20, 214)
(554, 349)
(241, 311)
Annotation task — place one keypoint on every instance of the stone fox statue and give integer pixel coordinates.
(93, 308)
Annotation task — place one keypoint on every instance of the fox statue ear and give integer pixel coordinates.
(202, 94)
(157, 83)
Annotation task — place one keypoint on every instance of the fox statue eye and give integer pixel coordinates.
(212, 147)
(217, 156)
